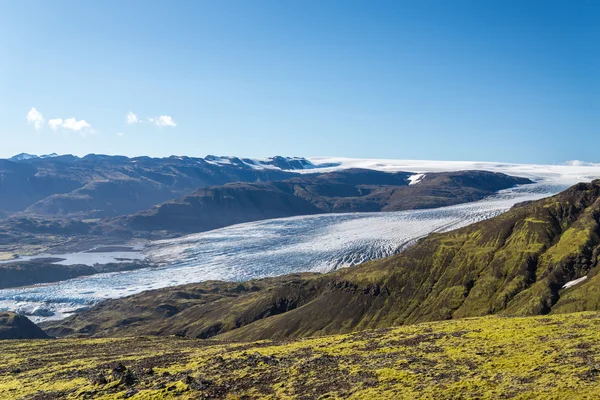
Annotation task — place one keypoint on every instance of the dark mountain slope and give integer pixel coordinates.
(449, 188)
(354, 190)
(516, 263)
(103, 198)
(15, 326)
(90, 186)
(216, 207)
(23, 184)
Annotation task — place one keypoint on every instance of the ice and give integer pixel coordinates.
(573, 283)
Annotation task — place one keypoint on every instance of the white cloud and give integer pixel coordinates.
(74, 125)
(120, 134)
(163, 120)
(132, 118)
(55, 123)
(35, 118)
(71, 124)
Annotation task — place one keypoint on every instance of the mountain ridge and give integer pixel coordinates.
(352, 190)
(90, 184)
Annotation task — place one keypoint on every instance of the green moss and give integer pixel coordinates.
(486, 358)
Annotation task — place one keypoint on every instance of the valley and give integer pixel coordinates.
(65, 257)
(312, 200)
(320, 243)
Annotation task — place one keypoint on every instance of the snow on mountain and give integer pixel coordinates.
(565, 174)
(22, 157)
(568, 173)
(416, 178)
(574, 282)
(276, 162)
(27, 156)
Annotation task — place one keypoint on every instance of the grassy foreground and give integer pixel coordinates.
(490, 357)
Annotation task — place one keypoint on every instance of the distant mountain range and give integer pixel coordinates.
(26, 156)
(284, 163)
(203, 193)
(98, 186)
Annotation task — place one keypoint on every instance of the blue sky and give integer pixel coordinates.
(514, 81)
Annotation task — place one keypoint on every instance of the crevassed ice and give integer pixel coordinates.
(265, 248)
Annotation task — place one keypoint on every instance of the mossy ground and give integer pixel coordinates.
(549, 357)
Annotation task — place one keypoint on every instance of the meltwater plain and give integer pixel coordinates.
(318, 243)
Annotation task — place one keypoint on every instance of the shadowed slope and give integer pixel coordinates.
(15, 326)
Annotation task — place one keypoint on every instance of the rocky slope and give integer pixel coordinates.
(14, 326)
(516, 264)
(354, 190)
(99, 186)
(550, 357)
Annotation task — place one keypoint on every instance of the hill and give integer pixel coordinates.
(549, 357)
(15, 326)
(353, 190)
(516, 264)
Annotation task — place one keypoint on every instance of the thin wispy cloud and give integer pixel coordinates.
(35, 118)
(163, 120)
(131, 118)
(55, 123)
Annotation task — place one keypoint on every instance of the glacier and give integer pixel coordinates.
(317, 243)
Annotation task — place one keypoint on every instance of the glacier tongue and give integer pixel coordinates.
(318, 243)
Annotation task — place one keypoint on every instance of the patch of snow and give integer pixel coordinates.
(276, 163)
(573, 283)
(218, 160)
(416, 178)
(23, 156)
(27, 156)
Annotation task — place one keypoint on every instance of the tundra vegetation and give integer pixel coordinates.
(491, 357)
